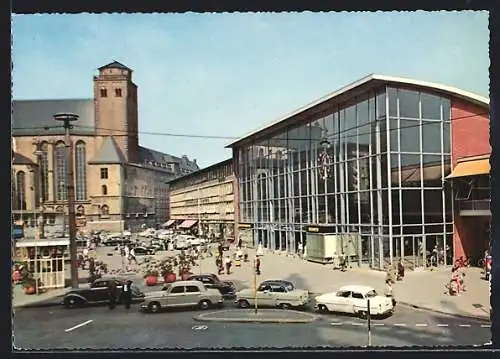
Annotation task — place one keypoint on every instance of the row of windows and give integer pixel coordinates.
(219, 173)
(104, 92)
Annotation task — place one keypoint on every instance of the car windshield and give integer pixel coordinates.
(371, 294)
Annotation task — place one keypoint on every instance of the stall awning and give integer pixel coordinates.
(168, 223)
(188, 223)
(471, 168)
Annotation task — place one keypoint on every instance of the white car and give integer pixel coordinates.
(148, 233)
(354, 299)
(181, 242)
(163, 234)
(193, 241)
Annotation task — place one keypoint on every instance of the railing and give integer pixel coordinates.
(474, 205)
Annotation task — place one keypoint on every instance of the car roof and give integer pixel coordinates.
(186, 282)
(276, 281)
(363, 289)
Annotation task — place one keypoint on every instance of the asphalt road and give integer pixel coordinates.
(100, 328)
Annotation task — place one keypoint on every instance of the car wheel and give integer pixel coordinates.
(322, 308)
(285, 306)
(72, 302)
(363, 314)
(154, 307)
(243, 304)
(204, 304)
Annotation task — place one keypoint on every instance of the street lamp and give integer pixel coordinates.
(324, 158)
(67, 119)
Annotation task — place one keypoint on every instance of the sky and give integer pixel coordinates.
(229, 74)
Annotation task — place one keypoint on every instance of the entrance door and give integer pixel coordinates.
(418, 251)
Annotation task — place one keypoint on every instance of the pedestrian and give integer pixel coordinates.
(127, 293)
(132, 256)
(401, 270)
(240, 242)
(112, 294)
(389, 291)
(218, 263)
(245, 254)
(300, 249)
(220, 249)
(228, 263)
(257, 265)
(260, 250)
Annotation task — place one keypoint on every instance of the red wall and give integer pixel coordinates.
(470, 129)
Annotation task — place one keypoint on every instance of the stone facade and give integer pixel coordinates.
(118, 184)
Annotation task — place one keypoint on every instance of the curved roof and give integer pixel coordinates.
(354, 89)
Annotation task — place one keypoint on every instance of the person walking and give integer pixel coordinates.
(127, 293)
(228, 263)
(257, 265)
(389, 291)
(132, 257)
(112, 294)
(220, 249)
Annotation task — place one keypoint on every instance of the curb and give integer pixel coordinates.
(38, 305)
(203, 318)
(465, 316)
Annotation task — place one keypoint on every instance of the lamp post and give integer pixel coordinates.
(67, 118)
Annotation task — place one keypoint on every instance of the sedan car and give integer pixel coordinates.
(273, 294)
(115, 241)
(140, 250)
(353, 299)
(226, 288)
(188, 293)
(98, 292)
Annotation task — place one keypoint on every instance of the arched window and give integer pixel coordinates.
(104, 210)
(44, 171)
(104, 190)
(81, 171)
(21, 190)
(61, 169)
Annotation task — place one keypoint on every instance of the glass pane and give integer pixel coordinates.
(371, 107)
(362, 113)
(393, 123)
(446, 137)
(412, 206)
(381, 111)
(410, 170)
(431, 106)
(433, 205)
(432, 171)
(350, 123)
(431, 137)
(408, 104)
(446, 109)
(410, 136)
(393, 102)
(395, 170)
(395, 206)
(364, 133)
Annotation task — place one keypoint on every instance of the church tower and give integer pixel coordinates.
(116, 112)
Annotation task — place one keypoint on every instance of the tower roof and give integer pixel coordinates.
(108, 154)
(115, 65)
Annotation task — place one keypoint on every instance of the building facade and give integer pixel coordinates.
(118, 184)
(369, 160)
(203, 201)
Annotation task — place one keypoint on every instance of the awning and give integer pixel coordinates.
(188, 223)
(168, 223)
(471, 168)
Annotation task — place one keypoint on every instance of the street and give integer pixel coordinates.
(100, 328)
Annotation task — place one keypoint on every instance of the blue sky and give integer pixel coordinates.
(228, 74)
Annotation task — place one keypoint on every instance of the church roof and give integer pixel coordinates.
(108, 154)
(35, 117)
(115, 65)
(19, 159)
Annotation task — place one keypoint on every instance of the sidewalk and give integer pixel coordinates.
(421, 289)
(47, 299)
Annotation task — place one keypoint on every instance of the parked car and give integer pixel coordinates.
(140, 250)
(225, 287)
(115, 241)
(354, 299)
(193, 241)
(273, 294)
(279, 282)
(181, 242)
(189, 293)
(98, 292)
(148, 233)
(163, 234)
(158, 244)
(127, 234)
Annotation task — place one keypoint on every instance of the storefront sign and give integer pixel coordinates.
(313, 229)
(245, 225)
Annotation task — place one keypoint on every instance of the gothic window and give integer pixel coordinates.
(104, 93)
(44, 170)
(61, 169)
(104, 210)
(21, 190)
(104, 189)
(81, 171)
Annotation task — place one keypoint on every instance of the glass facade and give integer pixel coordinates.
(387, 154)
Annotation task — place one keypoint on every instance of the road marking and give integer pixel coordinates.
(357, 324)
(420, 325)
(199, 327)
(441, 325)
(464, 325)
(485, 326)
(78, 326)
(378, 324)
(336, 323)
(400, 325)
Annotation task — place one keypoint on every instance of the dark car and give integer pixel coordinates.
(140, 250)
(115, 241)
(226, 288)
(98, 292)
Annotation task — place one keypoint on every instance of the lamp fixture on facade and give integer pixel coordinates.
(325, 160)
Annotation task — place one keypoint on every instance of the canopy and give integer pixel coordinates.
(471, 168)
(188, 223)
(168, 223)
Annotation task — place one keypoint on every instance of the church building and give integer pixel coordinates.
(118, 183)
